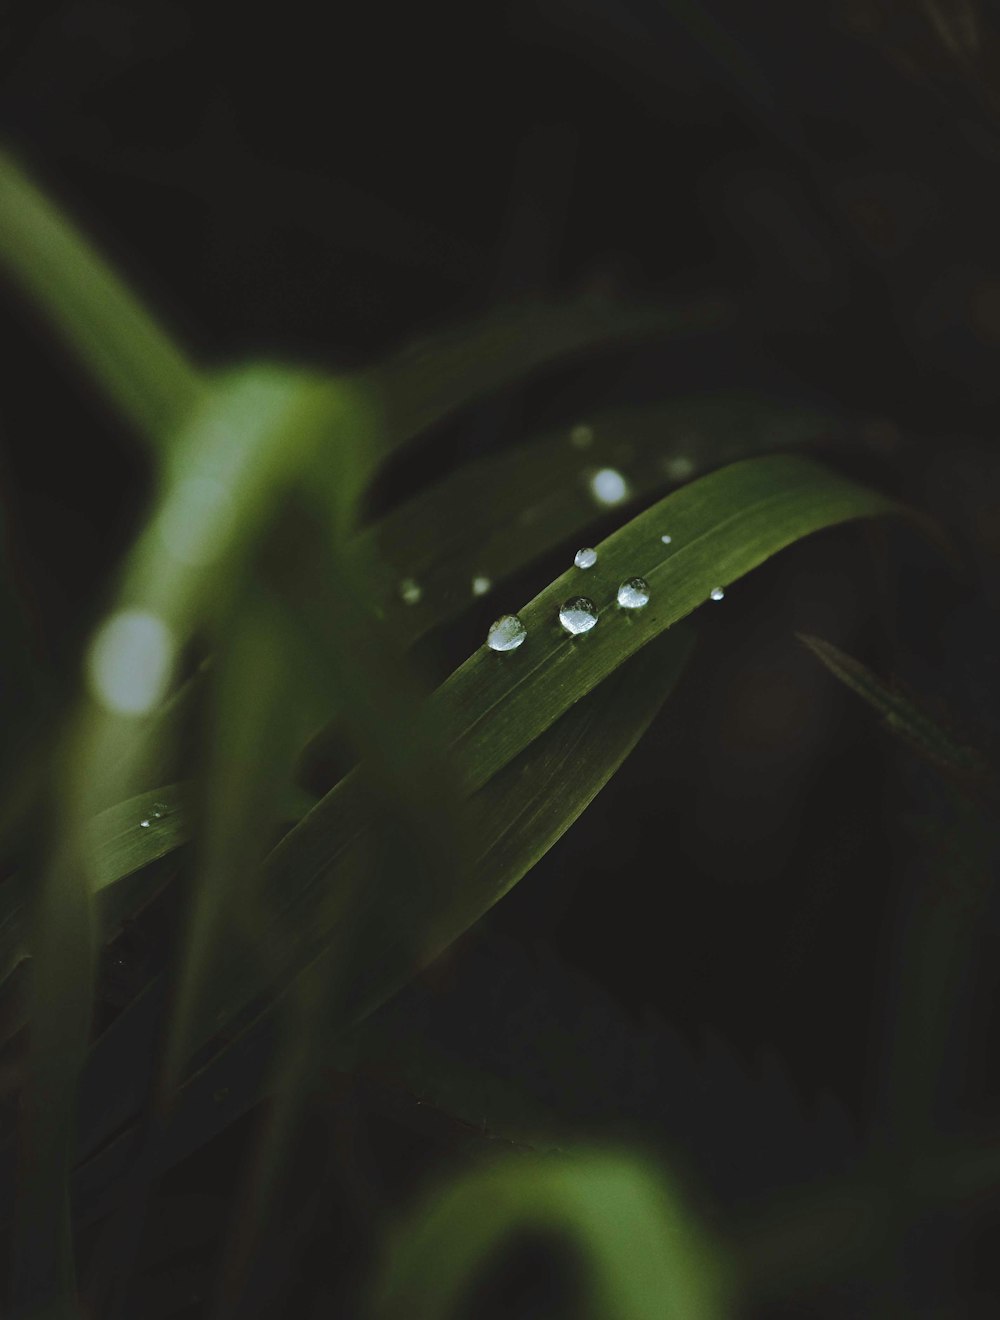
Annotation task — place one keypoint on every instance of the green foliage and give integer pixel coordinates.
(644, 1256)
(254, 558)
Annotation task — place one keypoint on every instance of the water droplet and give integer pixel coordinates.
(481, 585)
(585, 558)
(582, 436)
(666, 539)
(144, 824)
(506, 634)
(130, 662)
(578, 614)
(160, 809)
(633, 593)
(679, 468)
(608, 486)
(717, 593)
(410, 591)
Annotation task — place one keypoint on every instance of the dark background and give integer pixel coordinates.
(323, 183)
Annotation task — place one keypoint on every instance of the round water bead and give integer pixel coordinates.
(585, 558)
(506, 634)
(578, 614)
(717, 593)
(633, 593)
(666, 539)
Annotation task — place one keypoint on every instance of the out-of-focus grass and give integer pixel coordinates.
(251, 554)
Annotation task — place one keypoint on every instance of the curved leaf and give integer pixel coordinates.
(643, 1254)
(146, 376)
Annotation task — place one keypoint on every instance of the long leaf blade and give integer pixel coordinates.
(141, 369)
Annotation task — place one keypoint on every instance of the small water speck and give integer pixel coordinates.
(633, 593)
(666, 539)
(506, 634)
(608, 486)
(481, 585)
(410, 591)
(585, 558)
(144, 824)
(582, 436)
(717, 593)
(578, 614)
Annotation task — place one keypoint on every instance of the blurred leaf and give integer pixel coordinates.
(643, 1255)
(122, 842)
(436, 375)
(462, 526)
(518, 815)
(42, 1257)
(496, 704)
(99, 318)
(901, 716)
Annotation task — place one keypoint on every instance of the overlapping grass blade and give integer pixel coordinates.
(643, 1255)
(521, 813)
(250, 434)
(462, 526)
(43, 1272)
(100, 320)
(497, 705)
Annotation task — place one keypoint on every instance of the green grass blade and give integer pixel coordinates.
(520, 814)
(901, 716)
(42, 1253)
(432, 378)
(643, 1254)
(142, 371)
(122, 843)
(496, 705)
(462, 527)
(493, 517)
(722, 526)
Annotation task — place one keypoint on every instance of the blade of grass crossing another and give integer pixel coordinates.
(497, 704)
(514, 820)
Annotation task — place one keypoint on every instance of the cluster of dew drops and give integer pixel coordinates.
(579, 614)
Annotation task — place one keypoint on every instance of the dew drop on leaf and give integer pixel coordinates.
(578, 614)
(585, 558)
(633, 593)
(506, 634)
(717, 593)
